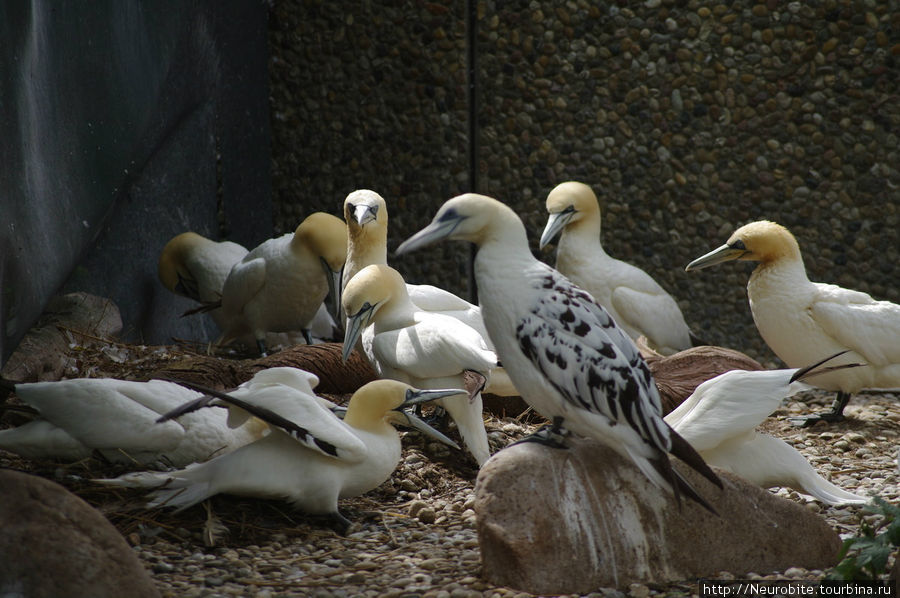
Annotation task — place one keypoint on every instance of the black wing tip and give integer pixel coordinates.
(807, 371)
(682, 449)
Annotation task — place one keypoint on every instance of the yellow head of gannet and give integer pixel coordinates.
(801, 321)
(325, 236)
(573, 206)
(310, 458)
(762, 241)
(366, 214)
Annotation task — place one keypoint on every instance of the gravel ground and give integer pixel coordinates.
(415, 535)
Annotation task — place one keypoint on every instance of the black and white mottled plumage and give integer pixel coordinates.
(561, 349)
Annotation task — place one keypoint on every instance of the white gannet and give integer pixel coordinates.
(803, 321)
(719, 420)
(424, 349)
(192, 266)
(280, 285)
(116, 418)
(638, 304)
(366, 214)
(310, 458)
(564, 353)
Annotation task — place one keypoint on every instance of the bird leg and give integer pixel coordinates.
(306, 336)
(552, 435)
(339, 523)
(835, 415)
(261, 345)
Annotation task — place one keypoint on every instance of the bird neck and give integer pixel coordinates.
(399, 312)
(365, 247)
(581, 238)
(361, 418)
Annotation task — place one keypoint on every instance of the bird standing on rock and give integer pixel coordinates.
(719, 420)
(424, 349)
(279, 286)
(803, 321)
(564, 353)
(310, 457)
(638, 304)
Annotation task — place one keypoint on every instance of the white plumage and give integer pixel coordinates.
(720, 418)
(366, 214)
(424, 349)
(638, 304)
(803, 321)
(561, 349)
(117, 418)
(310, 458)
(280, 285)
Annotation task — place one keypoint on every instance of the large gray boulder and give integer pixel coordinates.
(573, 520)
(54, 544)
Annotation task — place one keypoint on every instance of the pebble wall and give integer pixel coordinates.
(687, 118)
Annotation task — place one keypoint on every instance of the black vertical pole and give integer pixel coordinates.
(471, 101)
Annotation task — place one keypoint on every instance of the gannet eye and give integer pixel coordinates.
(739, 244)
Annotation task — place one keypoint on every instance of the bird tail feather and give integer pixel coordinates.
(180, 492)
(829, 493)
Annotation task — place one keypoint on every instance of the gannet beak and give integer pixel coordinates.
(416, 397)
(364, 214)
(717, 256)
(439, 229)
(405, 418)
(555, 223)
(334, 289)
(355, 325)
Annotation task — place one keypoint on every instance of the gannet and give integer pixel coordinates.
(116, 418)
(638, 304)
(719, 420)
(310, 458)
(564, 353)
(366, 214)
(280, 285)
(192, 266)
(424, 349)
(803, 321)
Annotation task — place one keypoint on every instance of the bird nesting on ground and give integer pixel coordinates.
(310, 458)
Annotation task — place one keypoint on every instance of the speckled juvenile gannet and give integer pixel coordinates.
(719, 420)
(804, 321)
(367, 222)
(638, 304)
(424, 349)
(566, 355)
(280, 285)
(116, 418)
(310, 458)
